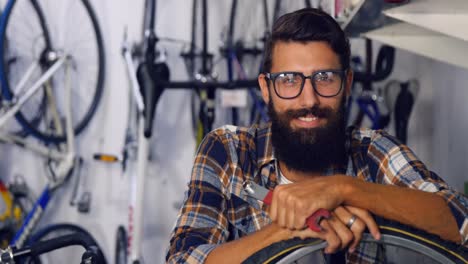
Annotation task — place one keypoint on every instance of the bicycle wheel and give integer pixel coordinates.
(248, 28)
(398, 244)
(121, 246)
(38, 33)
(36, 107)
(282, 7)
(66, 255)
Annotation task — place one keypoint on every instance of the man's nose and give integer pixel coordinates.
(308, 96)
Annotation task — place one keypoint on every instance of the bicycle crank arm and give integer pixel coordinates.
(263, 194)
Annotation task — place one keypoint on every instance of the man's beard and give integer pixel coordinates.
(309, 149)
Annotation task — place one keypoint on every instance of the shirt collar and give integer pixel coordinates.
(265, 152)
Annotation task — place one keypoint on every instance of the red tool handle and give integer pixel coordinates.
(313, 221)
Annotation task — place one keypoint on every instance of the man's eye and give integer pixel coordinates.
(324, 76)
(288, 78)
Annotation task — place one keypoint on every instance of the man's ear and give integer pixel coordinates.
(349, 82)
(263, 82)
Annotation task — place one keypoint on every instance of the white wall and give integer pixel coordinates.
(436, 132)
(450, 122)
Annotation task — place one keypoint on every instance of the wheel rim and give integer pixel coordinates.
(85, 48)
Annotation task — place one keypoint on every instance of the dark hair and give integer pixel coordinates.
(304, 25)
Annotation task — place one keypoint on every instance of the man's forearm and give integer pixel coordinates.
(422, 210)
(239, 250)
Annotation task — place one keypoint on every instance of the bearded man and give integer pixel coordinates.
(311, 160)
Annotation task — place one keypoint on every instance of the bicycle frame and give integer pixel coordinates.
(65, 160)
(142, 108)
(15, 105)
(135, 224)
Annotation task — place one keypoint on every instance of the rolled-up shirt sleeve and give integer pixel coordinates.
(400, 166)
(458, 204)
(202, 224)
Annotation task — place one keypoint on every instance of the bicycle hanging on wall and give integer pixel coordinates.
(42, 67)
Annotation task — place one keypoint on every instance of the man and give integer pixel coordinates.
(310, 159)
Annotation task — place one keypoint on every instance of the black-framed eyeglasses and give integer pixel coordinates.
(289, 85)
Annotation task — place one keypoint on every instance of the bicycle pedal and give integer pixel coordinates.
(108, 158)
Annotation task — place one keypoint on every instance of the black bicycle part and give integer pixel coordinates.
(276, 10)
(281, 8)
(206, 93)
(149, 18)
(45, 62)
(238, 84)
(206, 62)
(205, 86)
(57, 231)
(207, 109)
(31, 253)
(276, 251)
(150, 75)
(455, 252)
(384, 65)
(121, 246)
(229, 61)
(403, 106)
(236, 48)
(189, 57)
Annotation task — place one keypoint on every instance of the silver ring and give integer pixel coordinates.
(351, 221)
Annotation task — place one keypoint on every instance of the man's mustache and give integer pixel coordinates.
(320, 112)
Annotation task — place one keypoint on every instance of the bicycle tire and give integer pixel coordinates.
(245, 41)
(283, 7)
(394, 234)
(88, 95)
(121, 246)
(191, 64)
(247, 33)
(56, 230)
(13, 127)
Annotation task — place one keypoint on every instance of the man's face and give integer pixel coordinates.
(308, 132)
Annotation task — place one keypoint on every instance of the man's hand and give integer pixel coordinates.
(293, 203)
(336, 232)
(352, 234)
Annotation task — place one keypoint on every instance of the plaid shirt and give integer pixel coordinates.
(215, 210)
